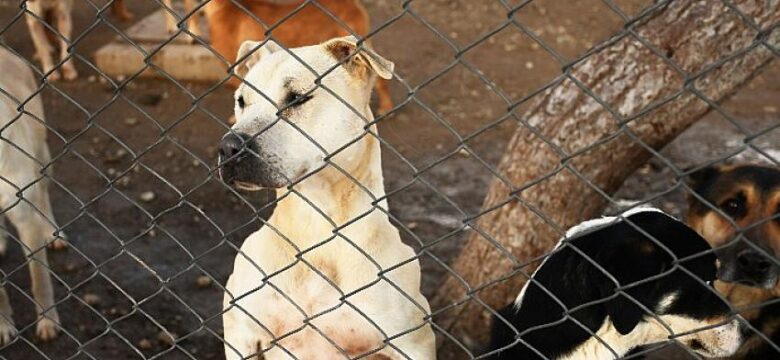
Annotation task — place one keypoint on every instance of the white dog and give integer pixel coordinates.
(328, 276)
(59, 11)
(23, 153)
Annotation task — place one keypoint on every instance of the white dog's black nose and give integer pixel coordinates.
(230, 146)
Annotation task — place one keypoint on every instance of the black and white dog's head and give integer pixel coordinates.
(638, 279)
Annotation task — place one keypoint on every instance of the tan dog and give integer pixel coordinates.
(328, 276)
(230, 25)
(744, 197)
(20, 169)
(59, 12)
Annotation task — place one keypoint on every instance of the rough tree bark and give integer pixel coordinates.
(628, 77)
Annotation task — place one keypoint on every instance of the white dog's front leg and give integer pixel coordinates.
(241, 340)
(418, 345)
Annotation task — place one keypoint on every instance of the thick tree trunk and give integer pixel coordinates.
(571, 149)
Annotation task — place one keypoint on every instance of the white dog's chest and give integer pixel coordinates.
(325, 299)
(303, 309)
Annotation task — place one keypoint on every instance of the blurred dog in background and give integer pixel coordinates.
(23, 156)
(58, 14)
(737, 209)
(230, 26)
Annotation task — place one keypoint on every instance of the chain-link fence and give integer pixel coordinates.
(555, 112)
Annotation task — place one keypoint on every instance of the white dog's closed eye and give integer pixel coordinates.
(296, 98)
(293, 99)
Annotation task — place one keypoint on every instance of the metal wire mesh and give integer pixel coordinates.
(153, 232)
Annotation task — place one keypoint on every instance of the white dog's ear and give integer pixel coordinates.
(365, 60)
(253, 51)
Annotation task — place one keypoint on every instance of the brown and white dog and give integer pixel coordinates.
(737, 209)
(327, 277)
(23, 155)
(58, 12)
(294, 26)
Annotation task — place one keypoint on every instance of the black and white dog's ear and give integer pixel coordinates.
(624, 310)
(624, 313)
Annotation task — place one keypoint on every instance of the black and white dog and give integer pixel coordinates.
(573, 308)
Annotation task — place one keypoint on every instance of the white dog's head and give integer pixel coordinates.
(287, 124)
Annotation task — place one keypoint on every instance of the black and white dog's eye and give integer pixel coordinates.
(240, 102)
(295, 99)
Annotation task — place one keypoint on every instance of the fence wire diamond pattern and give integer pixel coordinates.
(152, 230)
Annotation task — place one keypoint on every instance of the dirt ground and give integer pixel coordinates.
(153, 234)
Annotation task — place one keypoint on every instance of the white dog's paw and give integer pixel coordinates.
(7, 331)
(46, 330)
